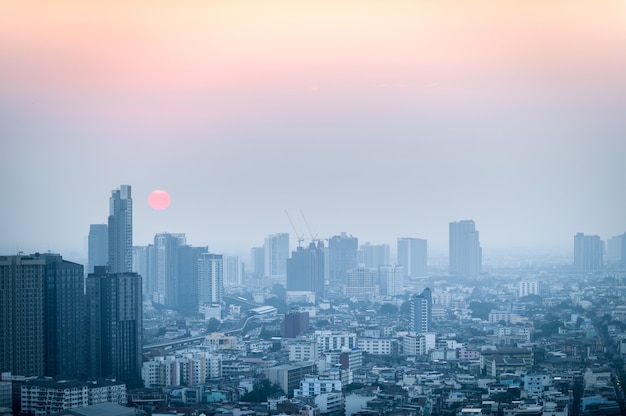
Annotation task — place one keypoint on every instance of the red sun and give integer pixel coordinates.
(159, 199)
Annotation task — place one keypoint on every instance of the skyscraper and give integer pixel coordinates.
(372, 256)
(413, 256)
(421, 312)
(210, 278)
(166, 247)
(588, 253)
(361, 283)
(41, 316)
(465, 250)
(114, 311)
(276, 251)
(257, 259)
(305, 269)
(98, 246)
(144, 264)
(121, 230)
(342, 256)
(232, 271)
(188, 257)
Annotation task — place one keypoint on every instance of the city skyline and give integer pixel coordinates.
(509, 114)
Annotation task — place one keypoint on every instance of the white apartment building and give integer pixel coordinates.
(314, 385)
(331, 341)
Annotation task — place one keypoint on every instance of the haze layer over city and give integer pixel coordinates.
(381, 120)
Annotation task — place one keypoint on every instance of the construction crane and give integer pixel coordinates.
(300, 237)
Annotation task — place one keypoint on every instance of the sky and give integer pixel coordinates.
(382, 119)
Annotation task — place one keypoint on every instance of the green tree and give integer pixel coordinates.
(262, 389)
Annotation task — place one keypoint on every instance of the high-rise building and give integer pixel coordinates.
(97, 246)
(257, 259)
(41, 316)
(527, 287)
(166, 247)
(121, 230)
(232, 271)
(372, 256)
(413, 256)
(342, 256)
(114, 335)
(421, 312)
(295, 323)
(588, 253)
(144, 264)
(187, 273)
(210, 278)
(616, 250)
(465, 250)
(361, 283)
(276, 251)
(305, 269)
(390, 280)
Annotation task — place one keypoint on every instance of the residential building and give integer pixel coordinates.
(210, 278)
(588, 253)
(305, 269)
(114, 311)
(288, 376)
(166, 247)
(361, 283)
(295, 323)
(371, 256)
(391, 280)
(465, 249)
(413, 256)
(232, 271)
(527, 287)
(257, 258)
(276, 252)
(421, 312)
(342, 256)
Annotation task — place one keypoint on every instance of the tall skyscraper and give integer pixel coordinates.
(372, 256)
(276, 250)
(144, 264)
(210, 278)
(616, 250)
(390, 280)
(421, 312)
(121, 230)
(115, 326)
(232, 271)
(166, 247)
(465, 250)
(188, 257)
(41, 316)
(588, 253)
(342, 256)
(97, 246)
(413, 256)
(305, 269)
(257, 259)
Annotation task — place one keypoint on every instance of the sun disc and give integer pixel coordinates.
(159, 199)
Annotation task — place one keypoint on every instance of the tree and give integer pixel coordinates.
(262, 389)
(388, 309)
(213, 325)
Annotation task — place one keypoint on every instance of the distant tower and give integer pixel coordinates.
(614, 250)
(342, 256)
(41, 316)
(232, 271)
(391, 280)
(361, 283)
(144, 264)
(210, 278)
(188, 258)
(98, 246)
(421, 312)
(276, 251)
(115, 326)
(372, 256)
(413, 256)
(465, 250)
(166, 247)
(588, 253)
(305, 269)
(121, 230)
(257, 258)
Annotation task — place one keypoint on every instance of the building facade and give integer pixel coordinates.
(97, 246)
(588, 253)
(413, 256)
(305, 269)
(120, 228)
(465, 250)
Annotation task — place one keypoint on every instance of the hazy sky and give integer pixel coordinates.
(378, 118)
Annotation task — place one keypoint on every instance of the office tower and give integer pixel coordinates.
(295, 323)
(588, 253)
(41, 316)
(372, 256)
(114, 335)
(210, 278)
(257, 258)
(342, 256)
(97, 246)
(465, 250)
(276, 251)
(413, 255)
(527, 287)
(305, 269)
(391, 280)
(144, 264)
(121, 230)
(187, 258)
(361, 283)
(166, 268)
(421, 312)
(232, 271)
